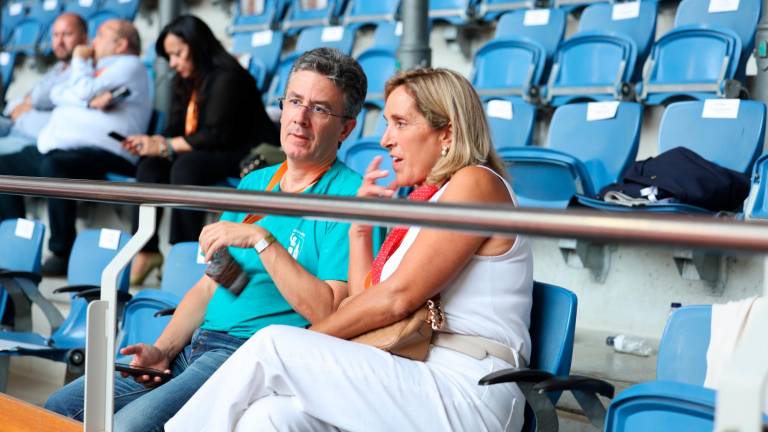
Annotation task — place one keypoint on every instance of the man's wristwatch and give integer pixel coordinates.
(264, 243)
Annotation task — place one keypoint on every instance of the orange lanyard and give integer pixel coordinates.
(275, 180)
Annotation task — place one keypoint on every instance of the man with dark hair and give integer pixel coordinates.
(74, 142)
(26, 117)
(295, 269)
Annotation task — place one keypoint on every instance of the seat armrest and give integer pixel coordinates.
(515, 375)
(94, 293)
(75, 288)
(577, 382)
(34, 277)
(164, 312)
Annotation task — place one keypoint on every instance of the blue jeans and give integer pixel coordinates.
(138, 408)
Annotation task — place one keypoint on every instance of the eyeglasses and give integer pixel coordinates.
(316, 111)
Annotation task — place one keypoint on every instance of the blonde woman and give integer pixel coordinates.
(297, 379)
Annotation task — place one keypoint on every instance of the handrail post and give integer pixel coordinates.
(100, 341)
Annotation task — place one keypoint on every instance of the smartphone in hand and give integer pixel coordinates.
(118, 95)
(116, 136)
(139, 371)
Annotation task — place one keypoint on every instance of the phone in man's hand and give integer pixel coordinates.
(139, 371)
(118, 95)
(116, 136)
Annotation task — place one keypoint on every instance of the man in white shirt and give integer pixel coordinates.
(26, 118)
(75, 142)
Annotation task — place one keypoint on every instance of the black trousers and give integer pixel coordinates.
(196, 168)
(89, 163)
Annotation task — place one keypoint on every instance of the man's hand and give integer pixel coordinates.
(100, 101)
(222, 234)
(148, 356)
(83, 51)
(21, 108)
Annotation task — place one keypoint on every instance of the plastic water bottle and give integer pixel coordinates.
(630, 345)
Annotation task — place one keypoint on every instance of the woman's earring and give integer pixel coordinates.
(444, 151)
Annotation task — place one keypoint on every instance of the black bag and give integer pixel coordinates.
(686, 177)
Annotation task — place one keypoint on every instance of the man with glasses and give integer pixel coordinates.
(289, 270)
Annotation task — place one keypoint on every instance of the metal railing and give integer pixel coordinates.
(748, 373)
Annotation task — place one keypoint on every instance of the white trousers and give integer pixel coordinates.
(288, 378)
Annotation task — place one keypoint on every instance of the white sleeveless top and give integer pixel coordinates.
(492, 295)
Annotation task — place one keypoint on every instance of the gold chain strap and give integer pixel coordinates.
(435, 315)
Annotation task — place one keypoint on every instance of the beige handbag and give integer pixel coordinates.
(409, 337)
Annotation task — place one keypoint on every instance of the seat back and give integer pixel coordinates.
(684, 343)
(553, 323)
(694, 55)
(183, 268)
(366, 11)
(743, 20)
(25, 36)
(620, 18)
(358, 155)
(545, 26)
(733, 143)
(511, 122)
(22, 247)
(508, 63)
(262, 49)
(13, 13)
(379, 64)
(255, 15)
(92, 251)
(452, 11)
(125, 9)
(306, 13)
(606, 147)
(84, 8)
(387, 35)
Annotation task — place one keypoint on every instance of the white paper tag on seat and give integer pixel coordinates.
(5, 58)
(15, 9)
(50, 5)
(313, 4)
(399, 28)
(200, 256)
(623, 11)
(109, 239)
(261, 38)
(499, 109)
(332, 34)
(716, 6)
(602, 110)
(24, 228)
(86, 3)
(536, 17)
(721, 108)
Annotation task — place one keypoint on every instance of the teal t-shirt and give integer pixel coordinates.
(321, 247)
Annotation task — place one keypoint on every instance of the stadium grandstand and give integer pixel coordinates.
(647, 115)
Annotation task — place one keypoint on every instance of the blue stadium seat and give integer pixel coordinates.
(742, 21)
(509, 67)
(456, 12)
(84, 8)
(181, 271)
(692, 62)
(571, 5)
(511, 122)
(302, 14)
(91, 253)
(46, 12)
(553, 324)
(545, 26)
(581, 155)
(22, 247)
(257, 15)
(125, 9)
(379, 65)
(25, 36)
(13, 13)
(592, 66)
(617, 18)
(733, 143)
(310, 38)
(261, 49)
(387, 35)
(358, 155)
(489, 10)
(360, 12)
(757, 205)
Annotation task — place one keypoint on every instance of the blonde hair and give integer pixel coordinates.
(446, 98)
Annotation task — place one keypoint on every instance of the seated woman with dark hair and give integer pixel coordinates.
(313, 379)
(216, 117)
